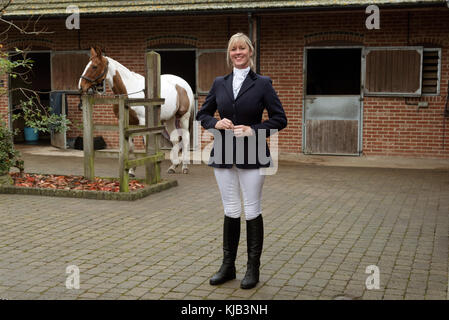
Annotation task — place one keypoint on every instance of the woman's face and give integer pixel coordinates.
(239, 53)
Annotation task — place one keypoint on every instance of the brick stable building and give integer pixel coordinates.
(346, 89)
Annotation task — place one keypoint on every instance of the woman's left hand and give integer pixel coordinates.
(242, 131)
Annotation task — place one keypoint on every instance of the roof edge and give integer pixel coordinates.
(405, 5)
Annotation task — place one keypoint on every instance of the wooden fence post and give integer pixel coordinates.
(123, 126)
(88, 139)
(152, 114)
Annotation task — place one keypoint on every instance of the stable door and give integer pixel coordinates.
(332, 101)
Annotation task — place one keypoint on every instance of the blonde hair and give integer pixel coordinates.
(239, 37)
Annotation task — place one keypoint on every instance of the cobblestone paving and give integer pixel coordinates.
(323, 227)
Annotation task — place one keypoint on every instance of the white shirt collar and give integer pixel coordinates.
(241, 72)
(238, 78)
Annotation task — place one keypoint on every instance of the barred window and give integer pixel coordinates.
(431, 71)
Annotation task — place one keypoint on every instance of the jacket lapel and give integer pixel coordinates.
(247, 83)
(228, 85)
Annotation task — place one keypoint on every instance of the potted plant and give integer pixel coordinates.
(9, 156)
(39, 118)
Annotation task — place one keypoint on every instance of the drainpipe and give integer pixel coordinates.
(250, 26)
(256, 42)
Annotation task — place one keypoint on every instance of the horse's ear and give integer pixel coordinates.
(98, 51)
(93, 53)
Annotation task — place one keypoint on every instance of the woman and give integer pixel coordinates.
(240, 98)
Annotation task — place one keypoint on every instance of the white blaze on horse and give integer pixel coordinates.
(176, 91)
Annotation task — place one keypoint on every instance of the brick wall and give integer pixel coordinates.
(390, 125)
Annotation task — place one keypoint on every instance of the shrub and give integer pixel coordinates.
(9, 156)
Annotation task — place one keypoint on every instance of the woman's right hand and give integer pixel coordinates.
(224, 124)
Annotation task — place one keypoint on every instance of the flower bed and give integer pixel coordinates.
(50, 181)
(79, 187)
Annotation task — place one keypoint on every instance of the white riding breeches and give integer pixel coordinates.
(231, 182)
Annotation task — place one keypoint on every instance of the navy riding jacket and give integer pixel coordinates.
(255, 95)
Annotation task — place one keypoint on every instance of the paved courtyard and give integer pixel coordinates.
(324, 226)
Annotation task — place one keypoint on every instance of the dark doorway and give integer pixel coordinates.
(181, 63)
(38, 79)
(333, 71)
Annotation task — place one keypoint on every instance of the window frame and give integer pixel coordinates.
(367, 50)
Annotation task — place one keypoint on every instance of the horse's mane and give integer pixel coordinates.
(125, 70)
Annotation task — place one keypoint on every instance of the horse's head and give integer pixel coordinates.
(95, 71)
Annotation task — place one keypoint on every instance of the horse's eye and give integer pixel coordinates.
(94, 67)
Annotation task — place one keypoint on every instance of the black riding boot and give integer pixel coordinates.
(231, 237)
(254, 238)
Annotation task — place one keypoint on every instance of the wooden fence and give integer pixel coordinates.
(152, 129)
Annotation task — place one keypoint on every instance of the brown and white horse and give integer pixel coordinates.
(176, 91)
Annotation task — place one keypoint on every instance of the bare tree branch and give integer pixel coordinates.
(5, 6)
(29, 94)
(35, 112)
(28, 90)
(6, 31)
(22, 30)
